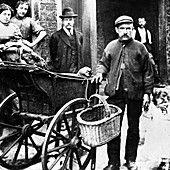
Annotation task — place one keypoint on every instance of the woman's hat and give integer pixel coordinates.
(68, 13)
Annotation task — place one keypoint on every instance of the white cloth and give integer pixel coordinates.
(68, 32)
(142, 33)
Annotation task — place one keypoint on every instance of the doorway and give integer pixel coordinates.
(10, 3)
(108, 11)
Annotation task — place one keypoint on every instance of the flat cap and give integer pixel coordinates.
(123, 19)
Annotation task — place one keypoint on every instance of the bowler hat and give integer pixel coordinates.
(68, 13)
(123, 19)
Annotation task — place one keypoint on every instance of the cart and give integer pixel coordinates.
(38, 119)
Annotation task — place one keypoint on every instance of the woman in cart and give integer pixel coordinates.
(11, 46)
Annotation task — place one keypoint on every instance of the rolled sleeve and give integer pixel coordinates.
(36, 28)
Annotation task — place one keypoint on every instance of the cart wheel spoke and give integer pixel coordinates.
(64, 167)
(8, 148)
(26, 149)
(66, 123)
(55, 149)
(71, 161)
(5, 125)
(34, 144)
(74, 121)
(19, 146)
(39, 133)
(63, 134)
(8, 137)
(17, 152)
(58, 160)
(59, 136)
(78, 159)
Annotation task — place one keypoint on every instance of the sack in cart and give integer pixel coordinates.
(99, 123)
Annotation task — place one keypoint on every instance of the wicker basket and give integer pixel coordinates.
(99, 123)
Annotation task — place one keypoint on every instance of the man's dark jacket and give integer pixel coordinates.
(138, 72)
(60, 47)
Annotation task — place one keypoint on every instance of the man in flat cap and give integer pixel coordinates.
(126, 63)
(66, 46)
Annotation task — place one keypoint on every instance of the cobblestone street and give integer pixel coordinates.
(156, 146)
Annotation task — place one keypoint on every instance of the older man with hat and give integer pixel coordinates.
(126, 63)
(66, 46)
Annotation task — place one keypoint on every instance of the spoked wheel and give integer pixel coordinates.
(63, 148)
(20, 139)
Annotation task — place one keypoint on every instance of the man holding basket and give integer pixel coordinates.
(126, 63)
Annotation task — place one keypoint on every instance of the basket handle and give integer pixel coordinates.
(104, 102)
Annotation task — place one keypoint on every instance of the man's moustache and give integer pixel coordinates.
(125, 36)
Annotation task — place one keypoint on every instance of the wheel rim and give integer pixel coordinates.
(20, 144)
(63, 148)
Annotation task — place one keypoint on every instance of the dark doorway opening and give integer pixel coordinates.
(9, 2)
(109, 10)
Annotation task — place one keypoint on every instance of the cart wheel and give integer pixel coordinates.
(63, 148)
(18, 140)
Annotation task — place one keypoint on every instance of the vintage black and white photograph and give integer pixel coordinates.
(84, 85)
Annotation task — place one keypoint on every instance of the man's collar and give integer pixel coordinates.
(141, 28)
(126, 42)
(69, 33)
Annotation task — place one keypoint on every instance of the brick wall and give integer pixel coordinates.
(48, 20)
(168, 38)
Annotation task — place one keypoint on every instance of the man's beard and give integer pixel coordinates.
(69, 27)
(141, 26)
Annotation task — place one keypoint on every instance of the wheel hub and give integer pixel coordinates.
(26, 130)
(74, 141)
